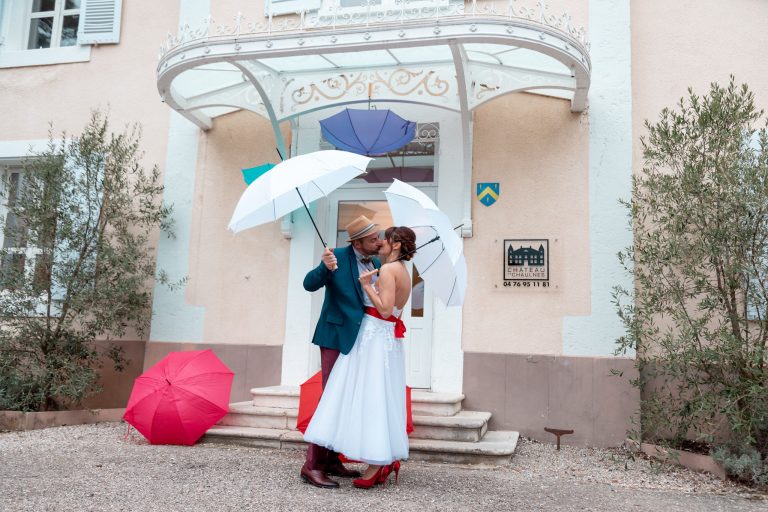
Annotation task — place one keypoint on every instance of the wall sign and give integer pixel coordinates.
(488, 193)
(526, 263)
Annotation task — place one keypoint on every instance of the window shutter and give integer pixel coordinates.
(99, 21)
(278, 7)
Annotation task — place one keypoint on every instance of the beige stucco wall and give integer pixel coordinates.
(693, 43)
(538, 151)
(119, 79)
(240, 280)
(119, 76)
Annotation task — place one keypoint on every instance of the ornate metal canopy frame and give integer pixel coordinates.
(447, 55)
(459, 79)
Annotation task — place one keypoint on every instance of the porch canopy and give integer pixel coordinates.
(449, 55)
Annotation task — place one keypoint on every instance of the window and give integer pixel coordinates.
(41, 32)
(277, 7)
(413, 163)
(19, 258)
(53, 23)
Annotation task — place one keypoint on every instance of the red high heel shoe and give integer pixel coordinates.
(378, 477)
(395, 467)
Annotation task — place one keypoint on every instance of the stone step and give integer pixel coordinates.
(429, 403)
(495, 448)
(469, 426)
(423, 403)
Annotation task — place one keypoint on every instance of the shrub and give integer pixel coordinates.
(77, 263)
(698, 314)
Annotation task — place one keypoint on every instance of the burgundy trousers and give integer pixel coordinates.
(317, 456)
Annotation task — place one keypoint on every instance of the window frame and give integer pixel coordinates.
(15, 18)
(328, 7)
(58, 14)
(30, 252)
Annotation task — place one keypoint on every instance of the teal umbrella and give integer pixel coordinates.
(251, 173)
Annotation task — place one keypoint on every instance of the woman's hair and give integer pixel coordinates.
(407, 239)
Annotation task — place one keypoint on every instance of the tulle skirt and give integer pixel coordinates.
(362, 410)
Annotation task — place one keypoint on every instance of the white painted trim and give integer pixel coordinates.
(173, 318)
(300, 357)
(18, 149)
(45, 56)
(610, 177)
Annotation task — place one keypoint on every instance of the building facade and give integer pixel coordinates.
(543, 103)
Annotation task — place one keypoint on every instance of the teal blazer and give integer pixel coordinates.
(343, 306)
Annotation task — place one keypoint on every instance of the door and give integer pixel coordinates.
(347, 204)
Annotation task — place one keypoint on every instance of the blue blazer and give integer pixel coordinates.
(343, 306)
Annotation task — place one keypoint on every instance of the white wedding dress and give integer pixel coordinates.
(362, 409)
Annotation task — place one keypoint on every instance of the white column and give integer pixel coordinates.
(455, 149)
(300, 356)
(610, 176)
(173, 319)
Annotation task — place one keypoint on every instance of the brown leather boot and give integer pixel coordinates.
(317, 478)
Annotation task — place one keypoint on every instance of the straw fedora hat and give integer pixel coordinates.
(360, 228)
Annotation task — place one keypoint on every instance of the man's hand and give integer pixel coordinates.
(367, 277)
(329, 259)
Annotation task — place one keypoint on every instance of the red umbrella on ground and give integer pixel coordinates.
(309, 397)
(180, 397)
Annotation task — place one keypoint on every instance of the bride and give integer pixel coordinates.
(362, 410)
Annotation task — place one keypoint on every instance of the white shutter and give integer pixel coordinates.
(277, 7)
(99, 21)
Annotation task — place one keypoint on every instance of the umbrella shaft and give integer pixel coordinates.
(404, 255)
(310, 217)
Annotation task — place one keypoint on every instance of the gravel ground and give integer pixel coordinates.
(93, 467)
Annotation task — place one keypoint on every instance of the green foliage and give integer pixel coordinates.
(77, 263)
(698, 315)
(743, 463)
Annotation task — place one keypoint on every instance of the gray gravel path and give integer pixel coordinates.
(92, 467)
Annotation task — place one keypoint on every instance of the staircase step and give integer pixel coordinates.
(285, 397)
(428, 403)
(496, 447)
(469, 426)
(245, 414)
(423, 403)
(466, 426)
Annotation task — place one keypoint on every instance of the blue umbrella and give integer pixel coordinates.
(368, 132)
(251, 173)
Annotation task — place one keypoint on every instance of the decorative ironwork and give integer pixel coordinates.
(336, 17)
(399, 82)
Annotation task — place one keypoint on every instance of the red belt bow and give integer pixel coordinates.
(399, 325)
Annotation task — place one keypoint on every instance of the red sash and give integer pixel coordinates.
(399, 325)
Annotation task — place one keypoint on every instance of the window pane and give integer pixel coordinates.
(72, 4)
(43, 5)
(11, 271)
(417, 295)
(376, 211)
(359, 3)
(69, 30)
(40, 33)
(42, 276)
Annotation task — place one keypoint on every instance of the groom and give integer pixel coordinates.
(339, 322)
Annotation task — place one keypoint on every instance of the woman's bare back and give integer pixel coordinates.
(402, 283)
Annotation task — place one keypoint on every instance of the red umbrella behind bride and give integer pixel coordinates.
(180, 398)
(309, 397)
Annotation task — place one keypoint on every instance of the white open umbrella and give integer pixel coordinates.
(294, 183)
(440, 253)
